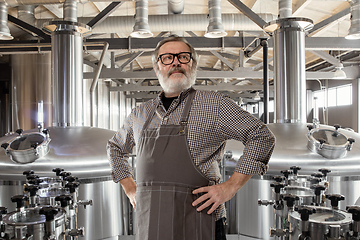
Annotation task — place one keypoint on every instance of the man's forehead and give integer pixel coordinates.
(173, 47)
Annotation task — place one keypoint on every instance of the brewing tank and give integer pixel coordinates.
(247, 218)
(80, 151)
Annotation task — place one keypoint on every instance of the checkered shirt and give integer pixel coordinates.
(214, 118)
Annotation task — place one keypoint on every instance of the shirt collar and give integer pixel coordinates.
(181, 96)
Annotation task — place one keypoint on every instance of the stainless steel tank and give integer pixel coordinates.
(246, 218)
(80, 151)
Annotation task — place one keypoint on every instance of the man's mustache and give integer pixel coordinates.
(176, 69)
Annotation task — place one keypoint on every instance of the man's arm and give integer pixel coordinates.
(129, 187)
(218, 194)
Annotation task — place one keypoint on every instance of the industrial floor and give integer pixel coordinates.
(229, 237)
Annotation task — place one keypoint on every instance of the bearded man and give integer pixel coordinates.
(180, 139)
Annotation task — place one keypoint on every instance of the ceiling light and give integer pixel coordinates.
(339, 73)
(354, 31)
(215, 28)
(4, 29)
(257, 96)
(141, 27)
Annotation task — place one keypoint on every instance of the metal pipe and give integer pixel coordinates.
(285, 8)
(4, 29)
(264, 44)
(176, 6)
(14, 3)
(70, 11)
(94, 84)
(67, 62)
(289, 71)
(172, 22)
(255, 50)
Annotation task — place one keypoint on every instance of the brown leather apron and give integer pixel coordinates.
(166, 176)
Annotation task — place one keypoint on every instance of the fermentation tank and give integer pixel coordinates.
(246, 218)
(68, 144)
(310, 146)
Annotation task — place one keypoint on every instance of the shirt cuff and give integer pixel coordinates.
(117, 177)
(251, 167)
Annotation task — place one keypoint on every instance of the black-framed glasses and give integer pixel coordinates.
(168, 58)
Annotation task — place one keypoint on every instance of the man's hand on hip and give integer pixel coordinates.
(217, 194)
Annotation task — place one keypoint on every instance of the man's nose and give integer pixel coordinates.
(176, 61)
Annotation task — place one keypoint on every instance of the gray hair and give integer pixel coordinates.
(174, 38)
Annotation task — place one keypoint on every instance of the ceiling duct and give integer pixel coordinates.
(285, 8)
(173, 22)
(141, 27)
(176, 7)
(4, 29)
(354, 31)
(215, 28)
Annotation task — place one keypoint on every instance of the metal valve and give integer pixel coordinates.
(355, 211)
(4, 145)
(295, 169)
(290, 199)
(305, 212)
(19, 131)
(19, 200)
(279, 178)
(75, 232)
(322, 142)
(72, 186)
(317, 175)
(279, 232)
(32, 189)
(324, 171)
(85, 203)
(286, 173)
(58, 171)
(71, 179)
(335, 198)
(265, 202)
(49, 212)
(351, 141)
(3, 210)
(64, 200)
(29, 172)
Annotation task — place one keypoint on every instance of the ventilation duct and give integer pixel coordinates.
(141, 27)
(215, 28)
(354, 31)
(285, 8)
(4, 29)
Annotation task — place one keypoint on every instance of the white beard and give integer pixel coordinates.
(172, 85)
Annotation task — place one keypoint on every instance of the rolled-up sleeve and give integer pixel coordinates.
(119, 148)
(258, 140)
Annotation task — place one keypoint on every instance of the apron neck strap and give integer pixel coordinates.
(185, 114)
(186, 111)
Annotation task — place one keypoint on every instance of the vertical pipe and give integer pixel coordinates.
(4, 29)
(289, 73)
(67, 61)
(285, 8)
(70, 11)
(264, 43)
(93, 107)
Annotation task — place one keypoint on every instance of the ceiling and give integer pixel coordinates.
(224, 64)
